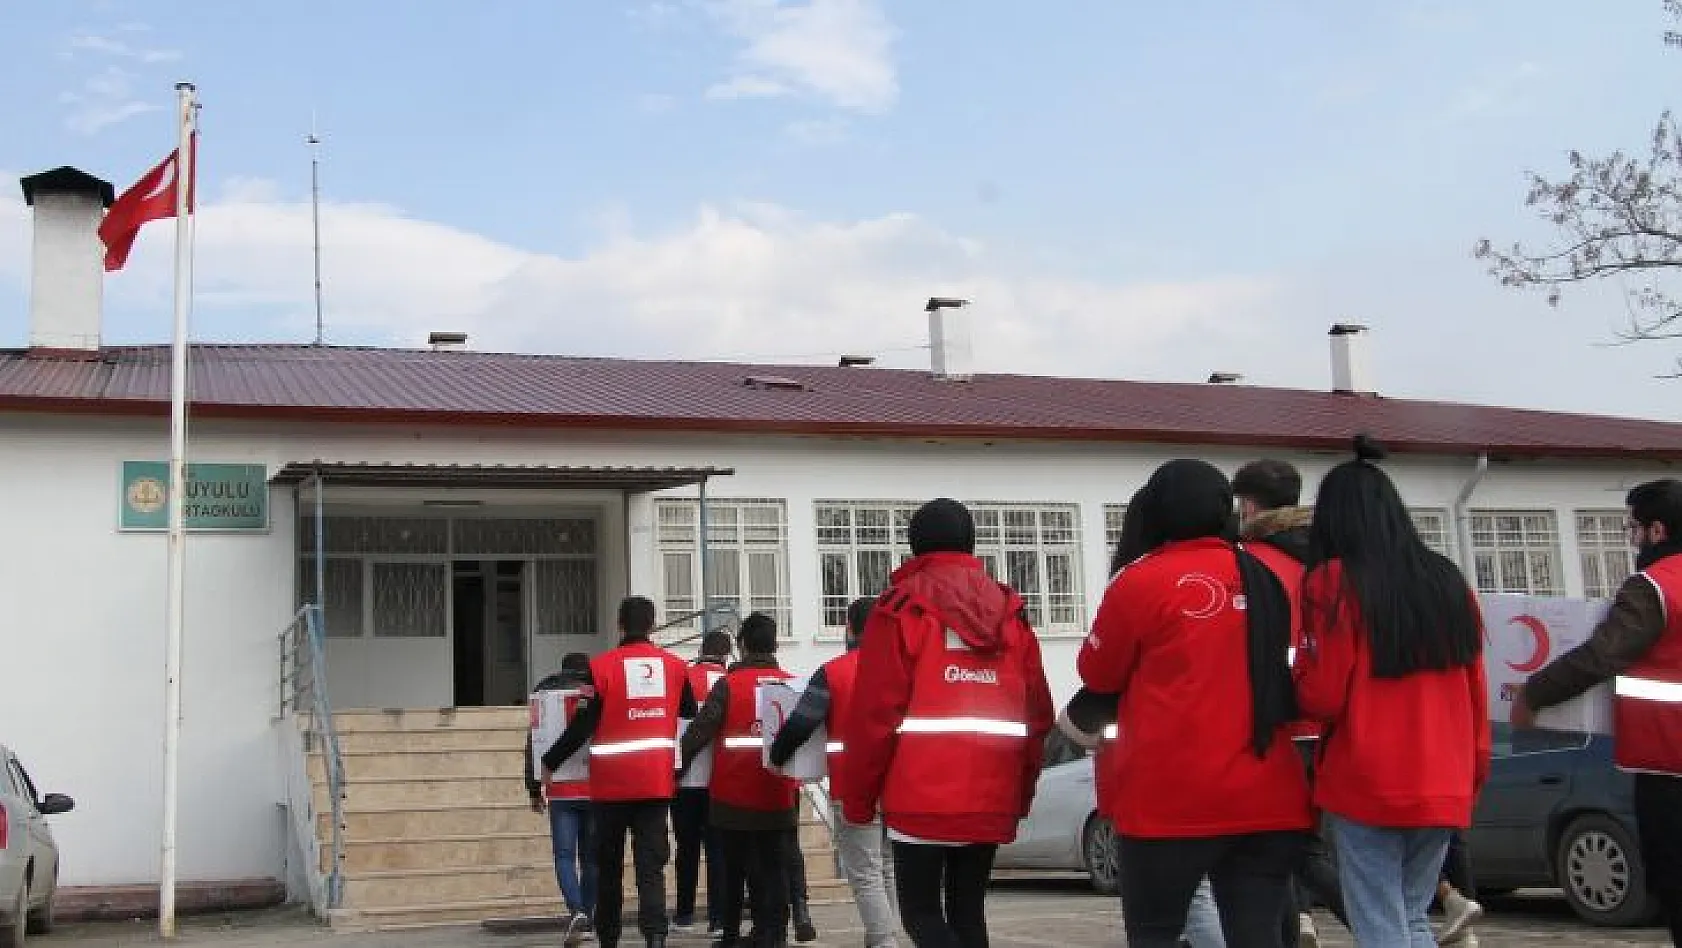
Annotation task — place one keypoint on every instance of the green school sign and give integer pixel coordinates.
(230, 498)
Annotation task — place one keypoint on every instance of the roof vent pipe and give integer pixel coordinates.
(950, 355)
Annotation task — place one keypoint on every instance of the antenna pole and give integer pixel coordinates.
(314, 142)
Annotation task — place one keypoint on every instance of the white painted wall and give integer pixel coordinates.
(85, 603)
(67, 271)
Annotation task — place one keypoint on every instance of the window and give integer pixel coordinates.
(1603, 544)
(1434, 530)
(1516, 551)
(747, 557)
(1114, 516)
(1033, 547)
(409, 600)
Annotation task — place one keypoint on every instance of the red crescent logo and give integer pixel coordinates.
(648, 672)
(1540, 647)
(782, 716)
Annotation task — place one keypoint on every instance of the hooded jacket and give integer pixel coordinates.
(987, 617)
(1285, 528)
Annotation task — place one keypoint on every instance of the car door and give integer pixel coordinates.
(1530, 777)
(40, 835)
(1064, 787)
(15, 856)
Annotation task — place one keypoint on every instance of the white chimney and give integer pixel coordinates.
(1350, 372)
(67, 281)
(949, 339)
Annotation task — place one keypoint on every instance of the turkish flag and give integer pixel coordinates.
(152, 198)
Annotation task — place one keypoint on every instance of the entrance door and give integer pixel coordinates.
(505, 646)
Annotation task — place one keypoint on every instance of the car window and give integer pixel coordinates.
(1508, 741)
(26, 787)
(8, 786)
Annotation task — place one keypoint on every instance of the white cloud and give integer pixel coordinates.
(103, 100)
(838, 50)
(744, 281)
(748, 87)
(110, 46)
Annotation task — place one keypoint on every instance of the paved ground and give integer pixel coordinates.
(1049, 914)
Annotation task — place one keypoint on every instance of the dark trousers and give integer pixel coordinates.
(754, 859)
(1457, 866)
(1313, 882)
(943, 893)
(645, 820)
(1250, 876)
(695, 835)
(1658, 818)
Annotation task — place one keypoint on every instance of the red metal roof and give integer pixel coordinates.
(428, 387)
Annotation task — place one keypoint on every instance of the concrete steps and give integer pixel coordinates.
(438, 829)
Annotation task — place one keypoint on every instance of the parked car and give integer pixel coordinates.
(28, 855)
(1063, 830)
(1556, 812)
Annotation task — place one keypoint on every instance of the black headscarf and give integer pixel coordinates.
(1188, 500)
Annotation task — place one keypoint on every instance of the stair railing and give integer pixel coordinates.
(303, 691)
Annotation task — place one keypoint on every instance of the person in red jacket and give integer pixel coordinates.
(642, 690)
(689, 809)
(947, 739)
(1393, 665)
(1201, 777)
(827, 701)
(753, 808)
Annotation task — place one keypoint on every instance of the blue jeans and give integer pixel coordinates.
(1389, 877)
(572, 833)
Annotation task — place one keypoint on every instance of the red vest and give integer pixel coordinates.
(961, 744)
(1290, 571)
(702, 676)
(740, 778)
(841, 672)
(564, 789)
(1647, 702)
(633, 753)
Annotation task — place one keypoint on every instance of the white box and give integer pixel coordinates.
(550, 711)
(1525, 633)
(775, 701)
(700, 773)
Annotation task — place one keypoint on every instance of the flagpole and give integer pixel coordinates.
(173, 616)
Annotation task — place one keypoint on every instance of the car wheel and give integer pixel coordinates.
(1598, 865)
(14, 925)
(1102, 854)
(43, 920)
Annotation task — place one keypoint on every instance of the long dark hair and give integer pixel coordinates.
(1191, 500)
(1130, 545)
(1414, 602)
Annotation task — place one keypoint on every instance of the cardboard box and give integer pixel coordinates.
(700, 773)
(550, 711)
(775, 701)
(1522, 634)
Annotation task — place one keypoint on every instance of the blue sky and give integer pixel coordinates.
(1126, 190)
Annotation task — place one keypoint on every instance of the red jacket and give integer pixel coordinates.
(740, 778)
(841, 673)
(949, 737)
(1169, 639)
(1290, 572)
(1398, 752)
(633, 753)
(1647, 706)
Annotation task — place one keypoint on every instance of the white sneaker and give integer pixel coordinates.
(1307, 935)
(1459, 913)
